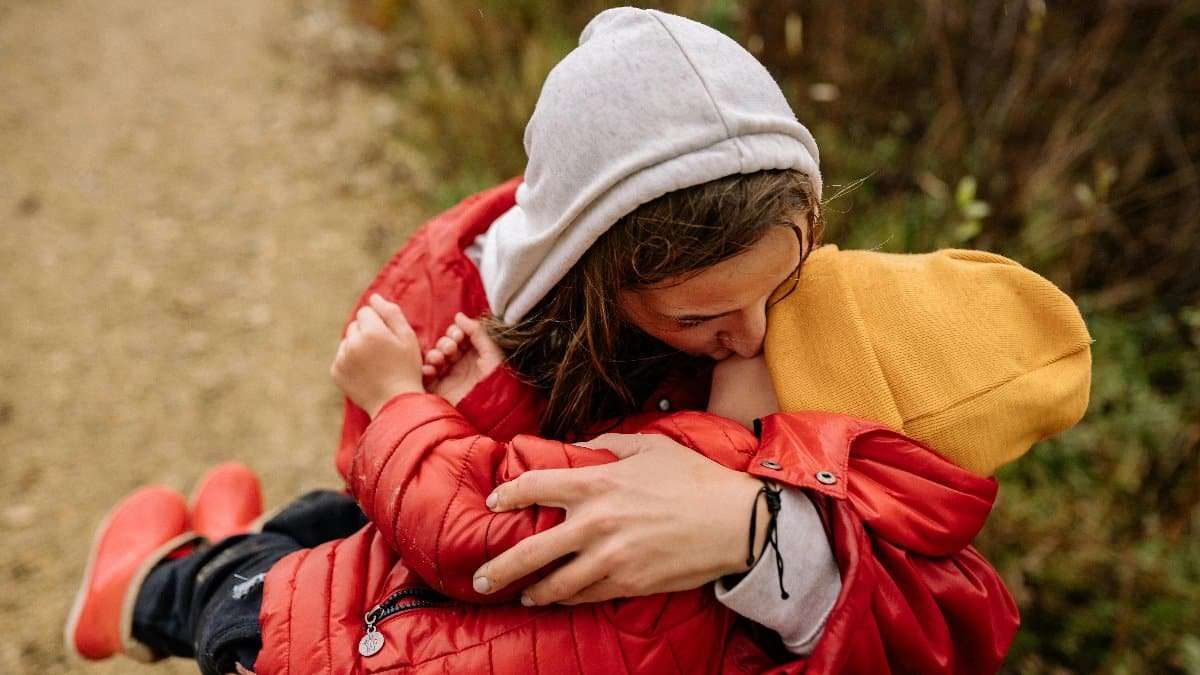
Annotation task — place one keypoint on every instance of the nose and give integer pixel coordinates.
(745, 335)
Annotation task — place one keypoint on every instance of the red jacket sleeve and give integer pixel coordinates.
(915, 597)
(421, 474)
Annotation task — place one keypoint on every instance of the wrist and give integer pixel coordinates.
(373, 408)
(744, 500)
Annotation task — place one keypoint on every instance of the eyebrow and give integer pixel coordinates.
(697, 317)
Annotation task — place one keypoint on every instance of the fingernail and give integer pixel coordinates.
(491, 501)
(526, 601)
(481, 585)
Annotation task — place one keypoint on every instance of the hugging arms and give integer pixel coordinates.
(901, 559)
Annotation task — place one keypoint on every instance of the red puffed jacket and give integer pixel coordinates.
(915, 597)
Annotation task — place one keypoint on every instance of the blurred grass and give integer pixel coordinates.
(1066, 136)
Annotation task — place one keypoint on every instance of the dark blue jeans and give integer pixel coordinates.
(205, 605)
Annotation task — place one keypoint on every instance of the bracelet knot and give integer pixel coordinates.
(774, 501)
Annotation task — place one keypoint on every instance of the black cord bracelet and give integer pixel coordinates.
(774, 503)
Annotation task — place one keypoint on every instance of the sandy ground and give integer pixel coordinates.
(189, 205)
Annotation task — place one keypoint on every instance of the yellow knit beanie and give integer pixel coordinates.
(965, 351)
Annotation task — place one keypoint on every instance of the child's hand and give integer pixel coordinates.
(379, 358)
(460, 359)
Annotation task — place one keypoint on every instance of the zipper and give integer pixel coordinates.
(401, 601)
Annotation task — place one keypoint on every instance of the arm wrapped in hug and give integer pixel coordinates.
(422, 474)
(914, 595)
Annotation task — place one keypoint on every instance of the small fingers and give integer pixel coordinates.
(465, 323)
(436, 359)
(369, 320)
(449, 347)
(390, 314)
(480, 340)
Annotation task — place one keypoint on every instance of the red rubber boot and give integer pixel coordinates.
(139, 532)
(226, 501)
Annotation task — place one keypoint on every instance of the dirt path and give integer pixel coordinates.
(187, 209)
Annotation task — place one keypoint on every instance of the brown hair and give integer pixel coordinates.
(576, 345)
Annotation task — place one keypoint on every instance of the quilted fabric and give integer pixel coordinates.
(915, 597)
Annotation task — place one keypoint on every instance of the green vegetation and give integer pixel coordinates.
(1065, 137)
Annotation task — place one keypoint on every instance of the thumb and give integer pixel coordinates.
(621, 445)
(390, 313)
(479, 338)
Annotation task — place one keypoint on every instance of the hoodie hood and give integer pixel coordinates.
(649, 103)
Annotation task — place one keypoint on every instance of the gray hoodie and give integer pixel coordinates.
(648, 103)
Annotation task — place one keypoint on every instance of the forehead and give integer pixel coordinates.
(732, 283)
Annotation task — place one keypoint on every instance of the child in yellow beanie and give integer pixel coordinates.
(965, 351)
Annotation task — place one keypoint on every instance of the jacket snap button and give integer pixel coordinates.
(664, 404)
(771, 464)
(826, 477)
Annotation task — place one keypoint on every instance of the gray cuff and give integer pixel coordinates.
(810, 576)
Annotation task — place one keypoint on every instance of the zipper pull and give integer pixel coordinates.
(372, 642)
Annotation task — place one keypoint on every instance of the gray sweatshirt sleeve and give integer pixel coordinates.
(810, 576)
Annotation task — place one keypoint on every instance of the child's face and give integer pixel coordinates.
(722, 310)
